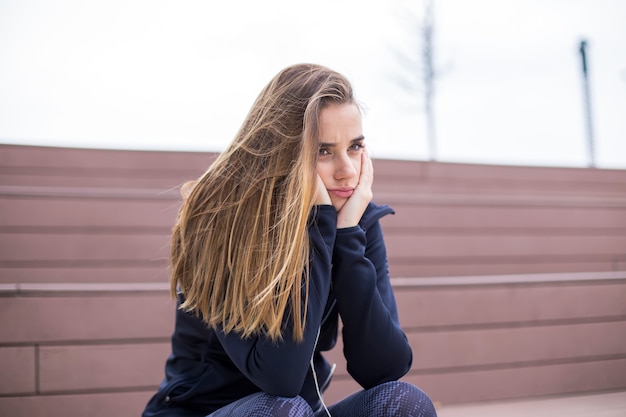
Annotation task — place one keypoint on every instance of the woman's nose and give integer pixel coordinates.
(344, 168)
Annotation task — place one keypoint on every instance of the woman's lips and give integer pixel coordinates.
(342, 192)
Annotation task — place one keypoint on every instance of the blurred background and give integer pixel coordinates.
(484, 81)
(507, 255)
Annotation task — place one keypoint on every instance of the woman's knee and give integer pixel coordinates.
(265, 405)
(398, 398)
(289, 407)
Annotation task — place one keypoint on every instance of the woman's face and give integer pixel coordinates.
(341, 146)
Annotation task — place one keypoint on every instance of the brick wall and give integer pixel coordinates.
(511, 281)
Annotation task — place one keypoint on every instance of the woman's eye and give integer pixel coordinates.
(356, 147)
(323, 152)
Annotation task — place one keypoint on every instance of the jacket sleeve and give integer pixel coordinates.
(279, 367)
(375, 347)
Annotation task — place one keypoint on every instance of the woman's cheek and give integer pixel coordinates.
(323, 171)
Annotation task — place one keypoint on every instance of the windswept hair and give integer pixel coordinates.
(240, 246)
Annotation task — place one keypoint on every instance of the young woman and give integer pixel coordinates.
(273, 243)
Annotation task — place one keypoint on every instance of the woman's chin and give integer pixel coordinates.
(338, 203)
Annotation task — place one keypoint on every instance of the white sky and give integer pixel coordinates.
(181, 75)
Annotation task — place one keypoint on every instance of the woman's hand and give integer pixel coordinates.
(321, 195)
(352, 211)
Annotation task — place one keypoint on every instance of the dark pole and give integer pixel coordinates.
(429, 77)
(590, 143)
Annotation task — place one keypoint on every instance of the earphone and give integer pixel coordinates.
(317, 387)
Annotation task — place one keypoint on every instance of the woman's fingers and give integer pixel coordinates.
(367, 172)
(352, 211)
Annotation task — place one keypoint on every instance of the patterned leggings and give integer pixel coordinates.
(391, 399)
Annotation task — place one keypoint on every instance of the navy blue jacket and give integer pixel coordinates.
(349, 277)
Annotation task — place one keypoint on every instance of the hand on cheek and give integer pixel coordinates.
(321, 195)
(352, 211)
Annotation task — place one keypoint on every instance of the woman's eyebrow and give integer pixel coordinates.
(332, 144)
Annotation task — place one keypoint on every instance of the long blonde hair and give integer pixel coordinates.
(240, 247)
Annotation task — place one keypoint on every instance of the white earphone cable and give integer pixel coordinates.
(317, 387)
